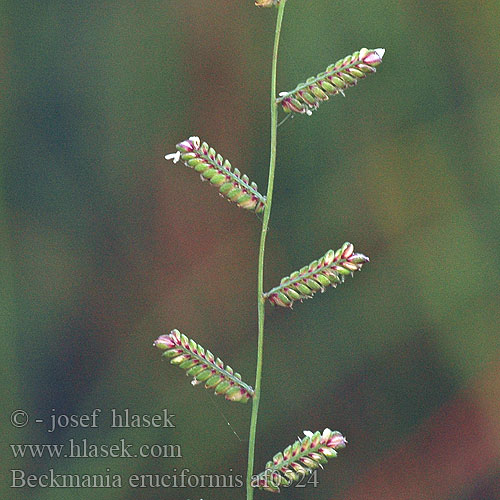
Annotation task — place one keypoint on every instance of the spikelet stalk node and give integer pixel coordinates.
(266, 3)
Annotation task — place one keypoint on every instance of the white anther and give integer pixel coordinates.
(175, 157)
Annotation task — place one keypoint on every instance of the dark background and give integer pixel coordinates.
(106, 245)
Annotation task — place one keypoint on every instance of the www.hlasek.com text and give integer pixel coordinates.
(83, 448)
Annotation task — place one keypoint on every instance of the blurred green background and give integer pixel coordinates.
(105, 245)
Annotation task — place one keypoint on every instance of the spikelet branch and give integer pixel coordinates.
(330, 269)
(212, 167)
(203, 366)
(299, 459)
(345, 73)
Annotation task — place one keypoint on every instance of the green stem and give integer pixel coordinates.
(260, 274)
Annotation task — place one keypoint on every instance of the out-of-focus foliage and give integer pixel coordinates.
(101, 254)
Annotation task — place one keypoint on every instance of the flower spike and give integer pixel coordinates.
(299, 459)
(329, 270)
(306, 97)
(203, 366)
(211, 166)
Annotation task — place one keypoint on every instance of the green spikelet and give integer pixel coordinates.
(299, 459)
(345, 73)
(212, 167)
(329, 270)
(203, 366)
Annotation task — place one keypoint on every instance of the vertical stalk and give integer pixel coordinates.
(260, 274)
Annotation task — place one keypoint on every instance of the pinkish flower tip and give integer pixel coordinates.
(163, 342)
(358, 258)
(374, 57)
(337, 441)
